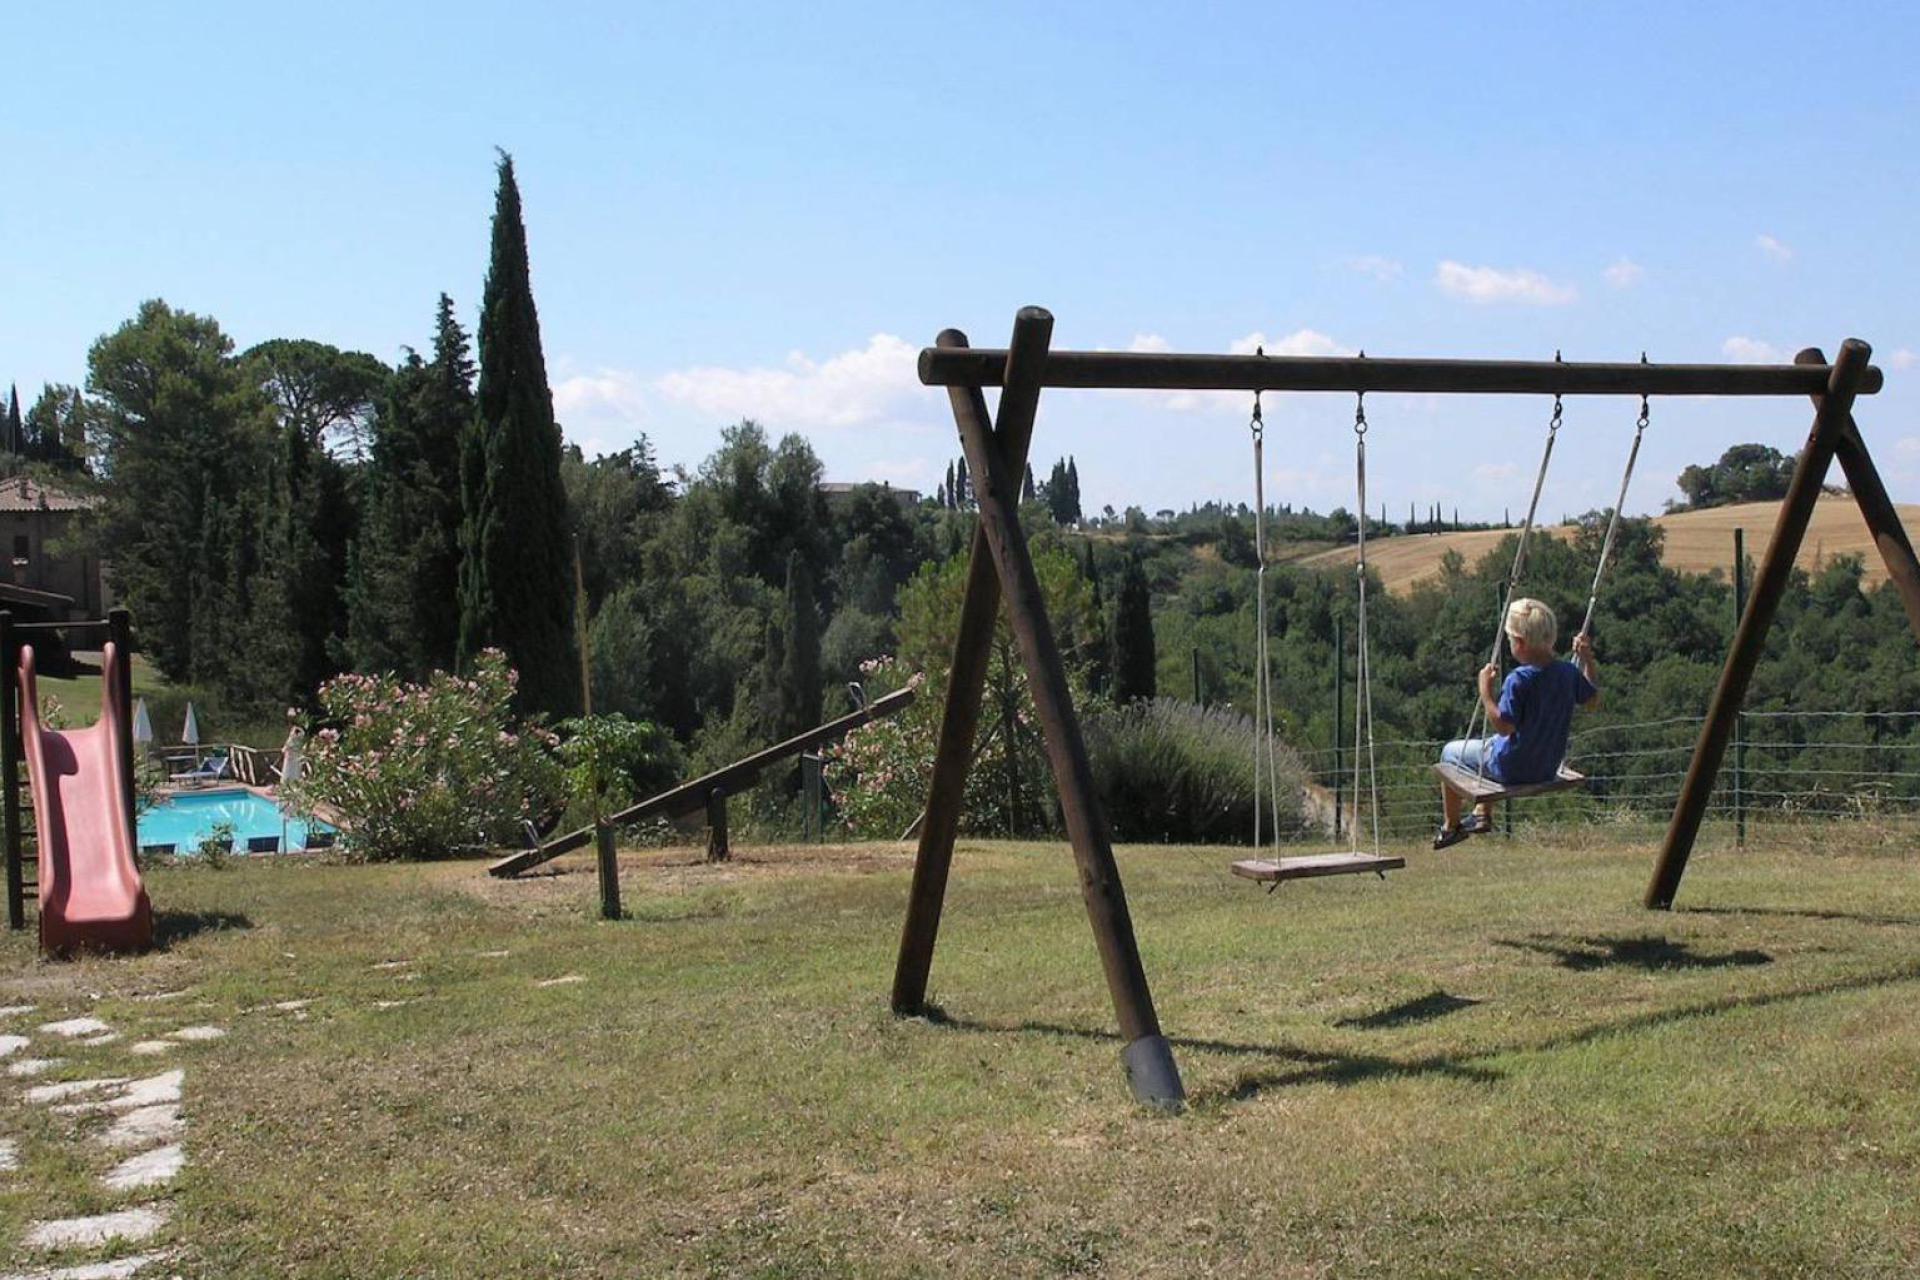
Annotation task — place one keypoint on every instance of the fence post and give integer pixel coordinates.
(1739, 736)
(1197, 700)
(1339, 714)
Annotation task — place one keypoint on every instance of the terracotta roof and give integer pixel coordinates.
(23, 493)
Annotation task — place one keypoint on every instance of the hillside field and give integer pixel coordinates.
(1696, 542)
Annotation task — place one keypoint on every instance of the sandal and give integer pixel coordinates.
(1447, 837)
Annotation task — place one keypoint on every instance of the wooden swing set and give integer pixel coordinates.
(996, 450)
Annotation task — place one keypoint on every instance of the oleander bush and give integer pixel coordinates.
(428, 770)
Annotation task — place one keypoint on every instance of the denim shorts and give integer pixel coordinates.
(1467, 753)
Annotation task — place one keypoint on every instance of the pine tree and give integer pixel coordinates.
(515, 579)
(1134, 660)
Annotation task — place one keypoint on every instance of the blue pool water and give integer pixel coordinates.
(183, 821)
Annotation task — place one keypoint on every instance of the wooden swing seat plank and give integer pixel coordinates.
(1479, 788)
(1309, 866)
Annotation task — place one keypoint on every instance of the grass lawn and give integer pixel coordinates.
(1492, 1064)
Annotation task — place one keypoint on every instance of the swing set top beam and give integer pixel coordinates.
(962, 366)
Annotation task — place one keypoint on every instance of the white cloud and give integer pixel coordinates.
(606, 394)
(1491, 284)
(1903, 359)
(1301, 342)
(1497, 472)
(1743, 350)
(1778, 250)
(1382, 269)
(871, 384)
(1625, 273)
(1907, 446)
(1148, 342)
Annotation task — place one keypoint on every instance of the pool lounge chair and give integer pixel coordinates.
(213, 769)
(263, 844)
(319, 840)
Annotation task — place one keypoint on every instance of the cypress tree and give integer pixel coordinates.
(799, 669)
(963, 491)
(947, 494)
(16, 437)
(1026, 486)
(1073, 491)
(1099, 667)
(515, 579)
(1134, 660)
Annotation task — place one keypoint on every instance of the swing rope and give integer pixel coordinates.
(1513, 575)
(1363, 666)
(1263, 743)
(1613, 520)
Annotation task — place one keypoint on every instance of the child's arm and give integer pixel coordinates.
(1583, 658)
(1490, 699)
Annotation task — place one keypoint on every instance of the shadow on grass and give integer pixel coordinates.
(1793, 913)
(1436, 1004)
(1651, 953)
(1304, 1066)
(171, 927)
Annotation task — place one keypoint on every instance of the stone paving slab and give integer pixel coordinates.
(98, 1229)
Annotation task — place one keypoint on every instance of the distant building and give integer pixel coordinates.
(49, 577)
(838, 491)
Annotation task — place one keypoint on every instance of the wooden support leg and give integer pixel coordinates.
(967, 677)
(1830, 420)
(10, 775)
(1151, 1071)
(717, 850)
(1883, 521)
(609, 865)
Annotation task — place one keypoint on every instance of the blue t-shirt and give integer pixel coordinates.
(1540, 702)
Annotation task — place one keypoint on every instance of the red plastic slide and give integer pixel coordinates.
(91, 897)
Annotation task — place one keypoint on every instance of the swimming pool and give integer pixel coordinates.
(184, 820)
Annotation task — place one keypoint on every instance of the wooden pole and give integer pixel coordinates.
(580, 635)
(1829, 422)
(1151, 1070)
(1883, 520)
(960, 366)
(10, 773)
(120, 634)
(717, 848)
(972, 649)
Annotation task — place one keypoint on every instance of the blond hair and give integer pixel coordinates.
(1531, 621)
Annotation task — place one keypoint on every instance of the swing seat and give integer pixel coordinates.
(1480, 788)
(1312, 865)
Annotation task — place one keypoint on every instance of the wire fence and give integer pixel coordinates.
(1782, 766)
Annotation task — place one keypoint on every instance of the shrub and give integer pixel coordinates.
(1170, 771)
(425, 770)
(611, 761)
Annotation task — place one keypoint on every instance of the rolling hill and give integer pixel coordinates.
(1696, 542)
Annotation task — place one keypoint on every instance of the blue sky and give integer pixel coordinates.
(764, 210)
